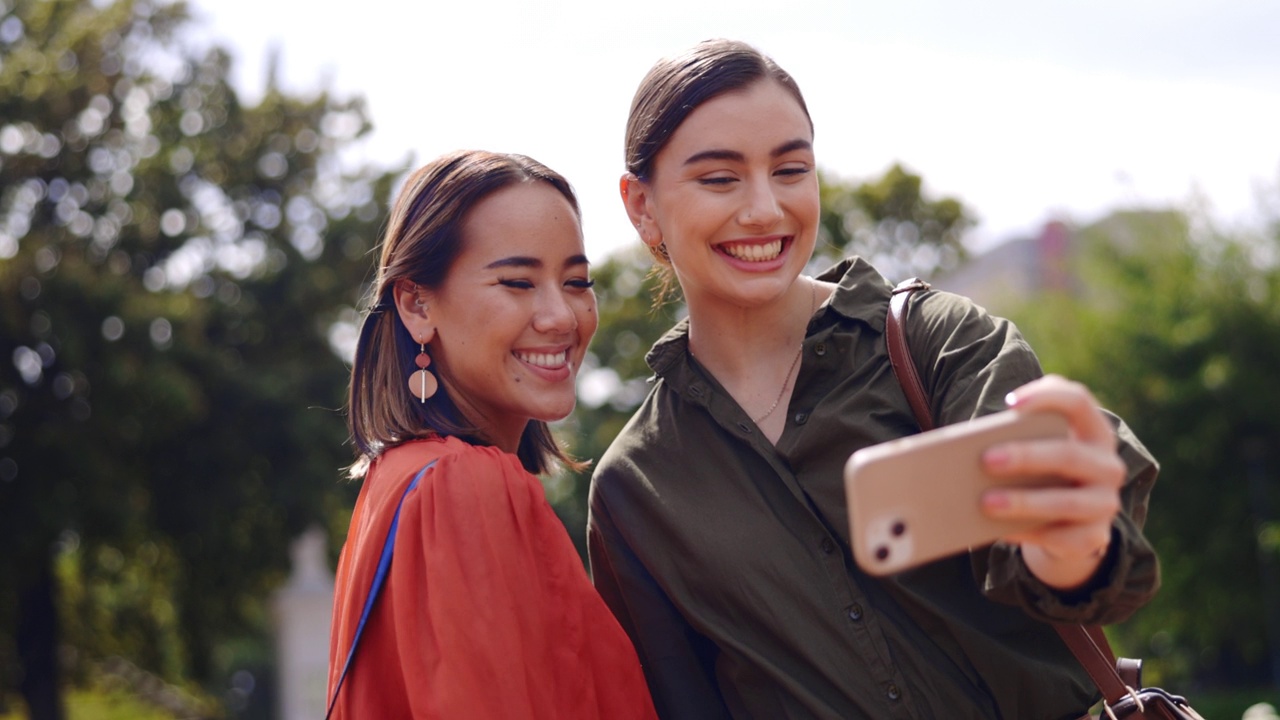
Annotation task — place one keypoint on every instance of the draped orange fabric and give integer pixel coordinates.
(487, 611)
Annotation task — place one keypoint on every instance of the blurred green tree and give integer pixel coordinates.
(892, 223)
(177, 272)
(1175, 325)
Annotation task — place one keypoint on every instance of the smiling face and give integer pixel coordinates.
(513, 317)
(734, 196)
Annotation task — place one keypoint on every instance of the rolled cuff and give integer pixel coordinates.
(1127, 579)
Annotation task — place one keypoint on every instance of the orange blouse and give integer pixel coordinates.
(487, 611)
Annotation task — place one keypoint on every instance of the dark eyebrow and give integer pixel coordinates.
(735, 156)
(731, 155)
(515, 261)
(797, 144)
(522, 261)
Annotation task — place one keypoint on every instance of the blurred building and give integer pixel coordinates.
(303, 611)
(1052, 260)
(1015, 270)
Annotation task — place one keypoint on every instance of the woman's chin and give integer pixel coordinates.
(554, 411)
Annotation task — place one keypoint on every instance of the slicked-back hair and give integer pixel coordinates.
(676, 86)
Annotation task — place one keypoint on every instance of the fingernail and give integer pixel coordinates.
(1011, 399)
(995, 457)
(993, 500)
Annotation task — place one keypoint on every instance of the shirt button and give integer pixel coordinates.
(855, 612)
(828, 545)
(820, 349)
(802, 418)
(893, 693)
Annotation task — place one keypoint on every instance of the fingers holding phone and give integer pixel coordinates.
(1071, 522)
(919, 498)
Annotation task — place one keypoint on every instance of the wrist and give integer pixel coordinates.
(1074, 574)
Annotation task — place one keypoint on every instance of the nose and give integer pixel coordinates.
(761, 208)
(554, 313)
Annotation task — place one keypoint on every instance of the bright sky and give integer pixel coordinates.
(1026, 111)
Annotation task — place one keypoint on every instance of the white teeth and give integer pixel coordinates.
(755, 253)
(544, 359)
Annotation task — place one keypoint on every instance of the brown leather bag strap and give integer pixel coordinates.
(1097, 660)
(900, 353)
(1087, 642)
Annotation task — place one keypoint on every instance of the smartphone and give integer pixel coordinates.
(918, 498)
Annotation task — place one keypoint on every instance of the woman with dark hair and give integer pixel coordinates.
(719, 531)
(458, 592)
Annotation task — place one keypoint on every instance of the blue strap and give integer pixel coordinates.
(384, 565)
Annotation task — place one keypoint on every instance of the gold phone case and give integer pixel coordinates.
(917, 499)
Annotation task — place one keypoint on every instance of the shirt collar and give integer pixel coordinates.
(863, 295)
(670, 350)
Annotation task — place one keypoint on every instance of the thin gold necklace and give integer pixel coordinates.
(813, 301)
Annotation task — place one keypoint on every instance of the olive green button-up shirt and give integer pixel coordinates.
(726, 558)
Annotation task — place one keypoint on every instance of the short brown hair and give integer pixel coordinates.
(422, 241)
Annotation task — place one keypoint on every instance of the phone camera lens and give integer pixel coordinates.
(899, 527)
(882, 553)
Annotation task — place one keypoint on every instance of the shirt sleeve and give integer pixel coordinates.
(474, 588)
(979, 358)
(678, 662)
(1128, 578)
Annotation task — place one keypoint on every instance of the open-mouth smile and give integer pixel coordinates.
(543, 359)
(755, 251)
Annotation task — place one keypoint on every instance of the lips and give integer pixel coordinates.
(753, 251)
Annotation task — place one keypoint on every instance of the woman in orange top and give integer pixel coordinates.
(482, 313)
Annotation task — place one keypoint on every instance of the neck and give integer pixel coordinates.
(503, 433)
(509, 440)
(720, 333)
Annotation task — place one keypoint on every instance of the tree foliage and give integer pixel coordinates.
(1176, 326)
(890, 222)
(175, 270)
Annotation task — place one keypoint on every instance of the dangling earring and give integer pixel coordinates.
(422, 383)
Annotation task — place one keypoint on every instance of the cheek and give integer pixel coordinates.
(815, 210)
(588, 320)
(808, 202)
(685, 215)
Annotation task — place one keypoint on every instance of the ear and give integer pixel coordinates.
(414, 309)
(637, 198)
